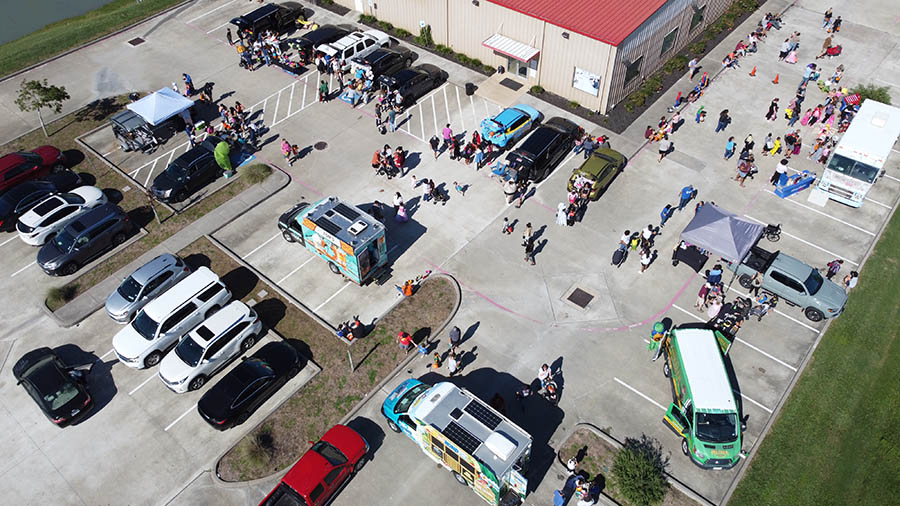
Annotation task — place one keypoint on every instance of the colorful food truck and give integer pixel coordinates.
(349, 239)
(703, 411)
(481, 448)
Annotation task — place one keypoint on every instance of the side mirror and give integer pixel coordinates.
(83, 367)
(245, 357)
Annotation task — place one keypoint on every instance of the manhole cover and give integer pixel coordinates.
(580, 298)
(320, 145)
(136, 41)
(509, 83)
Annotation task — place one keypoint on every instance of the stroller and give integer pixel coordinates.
(619, 256)
(833, 51)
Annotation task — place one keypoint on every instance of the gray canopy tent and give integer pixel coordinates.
(722, 233)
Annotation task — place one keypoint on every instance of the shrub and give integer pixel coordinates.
(256, 173)
(876, 93)
(366, 18)
(489, 69)
(461, 58)
(59, 295)
(537, 90)
(573, 104)
(698, 47)
(442, 49)
(638, 472)
(403, 34)
(475, 62)
(385, 26)
(424, 37)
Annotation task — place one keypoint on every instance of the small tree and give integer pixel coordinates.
(638, 472)
(35, 95)
(877, 93)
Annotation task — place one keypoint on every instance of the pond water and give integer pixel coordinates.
(21, 17)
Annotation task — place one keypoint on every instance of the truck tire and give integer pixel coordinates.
(684, 447)
(393, 426)
(813, 314)
(666, 371)
(334, 268)
(287, 236)
(458, 477)
(746, 281)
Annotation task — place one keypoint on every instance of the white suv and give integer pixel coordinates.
(52, 214)
(210, 347)
(356, 44)
(162, 322)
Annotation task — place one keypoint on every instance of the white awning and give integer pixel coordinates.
(511, 48)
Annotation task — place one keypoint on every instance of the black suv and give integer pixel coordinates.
(412, 83)
(384, 60)
(280, 18)
(536, 158)
(22, 197)
(92, 234)
(306, 44)
(188, 173)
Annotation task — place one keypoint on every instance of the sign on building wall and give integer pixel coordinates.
(586, 81)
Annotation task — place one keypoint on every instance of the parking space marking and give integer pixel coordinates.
(150, 173)
(422, 121)
(320, 306)
(487, 110)
(254, 250)
(10, 239)
(107, 354)
(891, 177)
(291, 98)
(459, 104)
(295, 270)
(207, 13)
(827, 215)
(446, 104)
(806, 242)
(791, 318)
(192, 408)
(142, 384)
(23, 268)
(278, 103)
(434, 116)
(754, 402)
(739, 340)
(472, 105)
(878, 203)
(629, 387)
(223, 25)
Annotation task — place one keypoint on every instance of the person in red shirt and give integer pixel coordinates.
(404, 340)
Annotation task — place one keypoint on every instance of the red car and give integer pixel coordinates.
(322, 471)
(18, 167)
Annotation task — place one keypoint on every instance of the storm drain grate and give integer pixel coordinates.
(513, 85)
(320, 145)
(580, 298)
(136, 41)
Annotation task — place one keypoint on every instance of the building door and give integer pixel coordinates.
(359, 6)
(514, 66)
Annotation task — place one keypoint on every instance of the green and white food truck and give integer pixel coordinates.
(703, 412)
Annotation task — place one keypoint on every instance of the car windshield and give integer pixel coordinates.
(72, 198)
(408, 398)
(145, 326)
(65, 240)
(813, 282)
(61, 397)
(189, 351)
(177, 172)
(129, 289)
(852, 168)
(716, 427)
(331, 454)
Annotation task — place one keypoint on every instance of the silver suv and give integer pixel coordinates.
(150, 280)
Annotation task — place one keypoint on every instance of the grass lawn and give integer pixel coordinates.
(64, 35)
(285, 435)
(837, 438)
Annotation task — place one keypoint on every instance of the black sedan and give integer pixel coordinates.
(237, 395)
(305, 44)
(188, 173)
(412, 83)
(22, 197)
(59, 390)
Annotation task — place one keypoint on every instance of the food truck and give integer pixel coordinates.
(349, 239)
(481, 448)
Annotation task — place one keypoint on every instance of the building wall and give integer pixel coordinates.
(470, 25)
(560, 57)
(409, 14)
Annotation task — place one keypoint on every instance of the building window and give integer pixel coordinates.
(669, 41)
(697, 18)
(632, 70)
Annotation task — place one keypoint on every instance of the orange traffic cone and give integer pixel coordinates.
(753, 72)
(775, 81)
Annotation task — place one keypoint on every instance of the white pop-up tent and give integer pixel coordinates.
(721, 232)
(160, 106)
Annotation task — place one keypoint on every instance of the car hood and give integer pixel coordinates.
(831, 295)
(128, 343)
(116, 304)
(164, 182)
(92, 195)
(172, 368)
(49, 253)
(490, 125)
(48, 154)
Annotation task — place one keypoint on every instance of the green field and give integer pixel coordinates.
(64, 35)
(837, 439)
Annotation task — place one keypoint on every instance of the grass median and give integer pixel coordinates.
(837, 438)
(59, 37)
(335, 390)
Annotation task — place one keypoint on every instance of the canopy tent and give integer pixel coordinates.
(722, 233)
(160, 106)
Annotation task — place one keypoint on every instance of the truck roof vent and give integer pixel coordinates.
(358, 227)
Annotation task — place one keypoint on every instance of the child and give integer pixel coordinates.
(507, 226)
(460, 188)
(415, 181)
(436, 361)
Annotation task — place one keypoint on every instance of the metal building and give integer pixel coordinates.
(594, 52)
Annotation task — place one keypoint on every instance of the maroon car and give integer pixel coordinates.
(19, 167)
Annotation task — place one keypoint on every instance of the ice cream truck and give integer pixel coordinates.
(349, 239)
(481, 448)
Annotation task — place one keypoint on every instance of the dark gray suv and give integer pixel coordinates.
(92, 234)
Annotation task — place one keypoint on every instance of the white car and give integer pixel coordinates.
(53, 213)
(356, 44)
(210, 347)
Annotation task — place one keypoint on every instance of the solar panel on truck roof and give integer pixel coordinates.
(462, 438)
(346, 212)
(327, 225)
(482, 414)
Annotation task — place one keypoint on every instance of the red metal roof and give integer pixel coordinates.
(609, 21)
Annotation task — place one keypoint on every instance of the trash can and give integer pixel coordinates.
(470, 89)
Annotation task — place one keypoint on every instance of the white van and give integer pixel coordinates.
(162, 322)
(356, 44)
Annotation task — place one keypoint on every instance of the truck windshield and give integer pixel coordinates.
(852, 168)
(813, 282)
(408, 398)
(716, 427)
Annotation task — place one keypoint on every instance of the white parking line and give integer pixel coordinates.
(891, 177)
(291, 99)
(277, 103)
(320, 306)
(487, 111)
(434, 117)
(827, 215)
(754, 402)
(23, 268)
(180, 417)
(295, 270)
(459, 104)
(446, 104)
(791, 318)
(223, 25)
(629, 387)
(877, 203)
(207, 13)
(806, 242)
(14, 237)
(472, 105)
(142, 384)
(254, 250)
(739, 340)
(107, 354)
(422, 121)
(150, 173)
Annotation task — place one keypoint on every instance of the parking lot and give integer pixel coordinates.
(143, 444)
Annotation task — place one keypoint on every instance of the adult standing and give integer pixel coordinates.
(772, 114)
(528, 233)
(435, 145)
(228, 37)
(730, 146)
(665, 214)
(693, 67)
(646, 258)
(833, 267)
(392, 118)
(529, 250)
(588, 146)
(687, 193)
(827, 19)
(836, 25)
(509, 189)
(665, 146)
(286, 151)
(455, 339)
(785, 49)
(724, 120)
(398, 201)
(850, 280)
(780, 169)
(447, 134)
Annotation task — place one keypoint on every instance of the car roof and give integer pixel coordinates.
(539, 140)
(96, 215)
(508, 116)
(561, 124)
(221, 321)
(593, 165)
(792, 266)
(26, 188)
(192, 155)
(10, 160)
(377, 55)
(161, 306)
(153, 267)
(312, 467)
(260, 13)
(322, 33)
